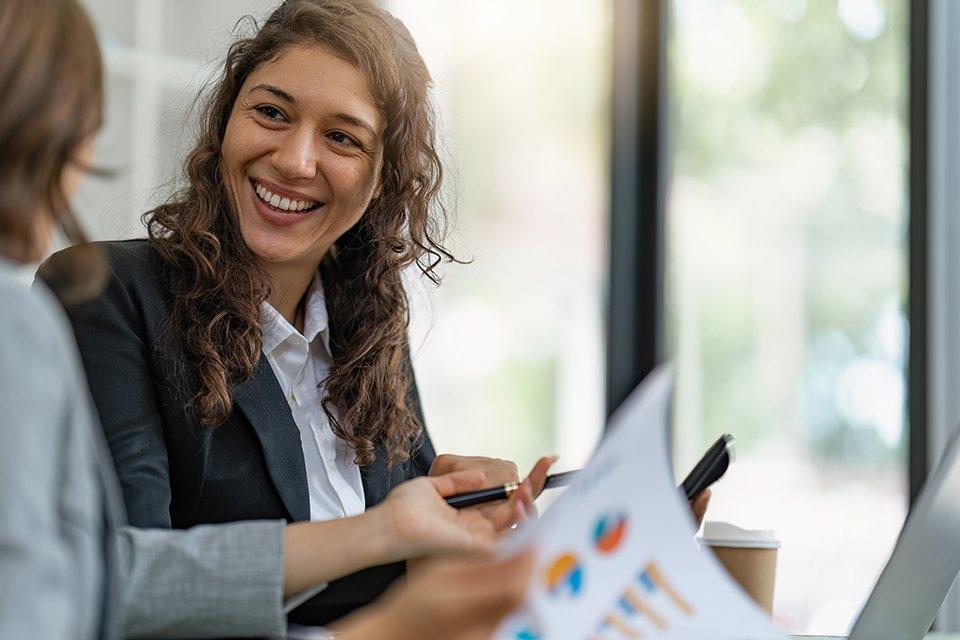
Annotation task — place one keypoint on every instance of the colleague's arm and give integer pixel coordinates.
(50, 563)
(208, 581)
(230, 579)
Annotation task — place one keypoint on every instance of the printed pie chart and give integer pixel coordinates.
(564, 576)
(609, 532)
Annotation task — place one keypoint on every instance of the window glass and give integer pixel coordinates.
(508, 351)
(786, 278)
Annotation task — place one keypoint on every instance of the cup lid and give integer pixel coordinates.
(724, 534)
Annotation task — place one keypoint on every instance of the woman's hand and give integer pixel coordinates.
(446, 600)
(421, 523)
(413, 521)
(501, 514)
(699, 506)
(496, 470)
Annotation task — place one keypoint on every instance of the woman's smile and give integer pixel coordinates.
(280, 206)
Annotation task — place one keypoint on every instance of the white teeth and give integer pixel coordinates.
(279, 202)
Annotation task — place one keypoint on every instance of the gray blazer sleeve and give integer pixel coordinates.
(51, 569)
(220, 580)
(57, 488)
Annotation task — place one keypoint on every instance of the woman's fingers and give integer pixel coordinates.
(480, 531)
(497, 471)
(516, 510)
(538, 475)
(521, 503)
(699, 505)
(505, 515)
(458, 482)
(512, 511)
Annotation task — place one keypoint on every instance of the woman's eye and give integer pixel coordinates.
(271, 113)
(342, 138)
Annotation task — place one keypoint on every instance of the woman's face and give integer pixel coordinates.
(301, 155)
(71, 177)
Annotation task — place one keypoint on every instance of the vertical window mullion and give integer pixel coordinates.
(635, 278)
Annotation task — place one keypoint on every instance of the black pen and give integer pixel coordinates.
(471, 498)
(708, 470)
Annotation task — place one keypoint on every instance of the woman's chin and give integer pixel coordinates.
(272, 255)
(267, 248)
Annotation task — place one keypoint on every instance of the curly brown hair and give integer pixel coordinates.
(218, 284)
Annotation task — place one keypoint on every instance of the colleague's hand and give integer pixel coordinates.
(699, 506)
(419, 522)
(497, 471)
(446, 600)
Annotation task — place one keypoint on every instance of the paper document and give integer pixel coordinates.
(616, 556)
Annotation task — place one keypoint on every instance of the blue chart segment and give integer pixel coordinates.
(564, 576)
(653, 580)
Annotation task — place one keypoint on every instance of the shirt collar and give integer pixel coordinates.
(276, 329)
(21, 272)
(315, 310)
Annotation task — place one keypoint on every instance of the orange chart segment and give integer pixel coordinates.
(564, 576)
(609, 532)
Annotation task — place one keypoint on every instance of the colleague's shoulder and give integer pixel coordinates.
(32, 323)
(127, 259)
(135, 265)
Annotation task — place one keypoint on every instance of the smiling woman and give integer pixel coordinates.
(250, 360)
(287, 118)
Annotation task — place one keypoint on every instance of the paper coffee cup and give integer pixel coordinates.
(750, 556)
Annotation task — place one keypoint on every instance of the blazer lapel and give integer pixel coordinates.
(261, 399)
(375, 478)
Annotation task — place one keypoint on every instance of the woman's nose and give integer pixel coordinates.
(297, 156)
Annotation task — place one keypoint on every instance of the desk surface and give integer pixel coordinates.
(931, 636)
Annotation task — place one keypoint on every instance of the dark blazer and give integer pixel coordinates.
(173, 472)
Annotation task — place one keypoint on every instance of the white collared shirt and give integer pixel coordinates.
(300, 363)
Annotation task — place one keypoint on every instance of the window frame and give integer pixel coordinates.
(634, 297)
(935, 305)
